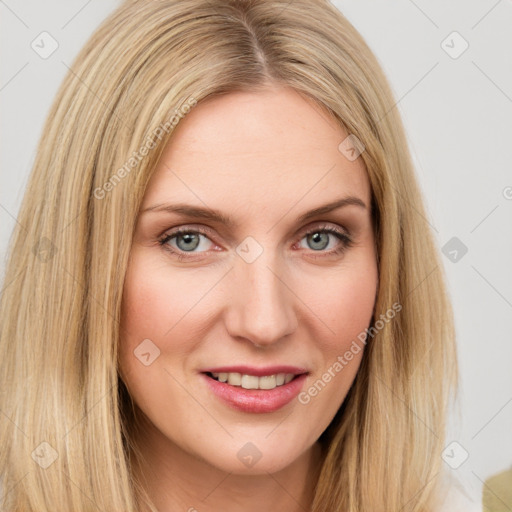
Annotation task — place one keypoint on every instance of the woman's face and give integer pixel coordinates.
(256, 285)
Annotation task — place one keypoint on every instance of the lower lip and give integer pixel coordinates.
(256, 400)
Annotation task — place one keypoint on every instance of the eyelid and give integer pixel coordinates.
(204, 230)
(320, 225)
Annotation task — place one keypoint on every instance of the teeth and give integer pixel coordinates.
(268, 382)
(253, 382)
(250, 382)
(235, 379)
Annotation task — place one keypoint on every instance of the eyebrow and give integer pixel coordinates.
(218, 216)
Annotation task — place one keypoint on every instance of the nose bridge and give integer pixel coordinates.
(262, 309)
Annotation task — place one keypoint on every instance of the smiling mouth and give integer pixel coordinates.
(245, 381)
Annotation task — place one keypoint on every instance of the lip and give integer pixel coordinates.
(257, 372)
(256, 400)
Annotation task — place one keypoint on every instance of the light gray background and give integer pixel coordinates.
(457, 113)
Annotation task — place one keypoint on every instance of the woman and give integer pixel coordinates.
(224, 294)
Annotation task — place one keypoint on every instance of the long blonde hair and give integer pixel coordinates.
(66, 422)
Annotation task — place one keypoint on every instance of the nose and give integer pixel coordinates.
(261, 305)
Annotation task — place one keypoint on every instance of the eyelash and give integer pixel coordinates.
(346, 241)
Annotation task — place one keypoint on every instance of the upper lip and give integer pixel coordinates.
(258, 372)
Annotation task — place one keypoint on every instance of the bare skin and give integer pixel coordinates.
(263, 159)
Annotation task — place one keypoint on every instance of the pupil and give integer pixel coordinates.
(188, 237)
(317, 239)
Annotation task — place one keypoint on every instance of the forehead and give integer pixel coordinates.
(256, 148)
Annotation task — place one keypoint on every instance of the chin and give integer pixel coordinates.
(255, 455)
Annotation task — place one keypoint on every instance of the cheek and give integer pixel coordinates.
(351, 304)
(157, 303)
(152, 307)
(344, 308)
(343, 303)
(168, 307)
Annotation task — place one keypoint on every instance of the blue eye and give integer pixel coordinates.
(318, 240)
(183, 242)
